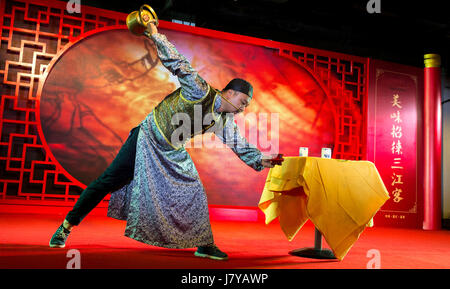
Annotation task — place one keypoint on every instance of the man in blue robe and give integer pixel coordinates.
(154, 183)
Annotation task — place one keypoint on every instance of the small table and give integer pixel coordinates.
(340, 197)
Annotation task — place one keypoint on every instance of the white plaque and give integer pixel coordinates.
(326, 153)
(303, 152)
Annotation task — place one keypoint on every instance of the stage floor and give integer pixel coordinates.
(101, 244)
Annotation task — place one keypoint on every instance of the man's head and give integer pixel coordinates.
(239, 92)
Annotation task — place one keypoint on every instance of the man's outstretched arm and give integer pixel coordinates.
(248, 153)
(193, 87)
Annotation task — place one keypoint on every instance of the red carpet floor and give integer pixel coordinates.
(100, 241)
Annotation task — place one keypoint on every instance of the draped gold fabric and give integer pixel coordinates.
(339, 197)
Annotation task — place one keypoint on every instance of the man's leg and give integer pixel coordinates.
(119, 173)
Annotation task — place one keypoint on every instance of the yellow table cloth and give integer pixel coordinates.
(340, 198)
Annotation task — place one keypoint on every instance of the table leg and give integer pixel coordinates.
(315, 253)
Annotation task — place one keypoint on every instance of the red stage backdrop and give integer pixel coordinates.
(107, 83)
(394, 135)
(75, 84)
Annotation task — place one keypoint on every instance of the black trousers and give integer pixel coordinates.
(119, 173)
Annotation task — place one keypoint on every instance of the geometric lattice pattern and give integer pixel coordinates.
(32, 34)
(345, 79)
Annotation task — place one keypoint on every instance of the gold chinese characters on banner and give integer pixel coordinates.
(396, 148)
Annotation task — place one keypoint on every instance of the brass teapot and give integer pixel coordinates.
(135, 20)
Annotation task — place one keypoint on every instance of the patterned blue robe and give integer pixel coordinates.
(165, 204)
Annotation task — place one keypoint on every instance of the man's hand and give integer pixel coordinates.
(151, 26)
(267, 162)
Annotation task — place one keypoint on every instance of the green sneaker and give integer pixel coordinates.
(211, 252)
(58, 239)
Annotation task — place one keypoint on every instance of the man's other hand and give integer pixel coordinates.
(151, 26)
(267, 161)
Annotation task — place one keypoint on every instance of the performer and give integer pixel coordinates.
(154, 183)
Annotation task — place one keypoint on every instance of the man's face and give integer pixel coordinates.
(238, 99)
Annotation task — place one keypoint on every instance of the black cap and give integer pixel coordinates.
(240, 85)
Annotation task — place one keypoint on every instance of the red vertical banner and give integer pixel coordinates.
(394, 134)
